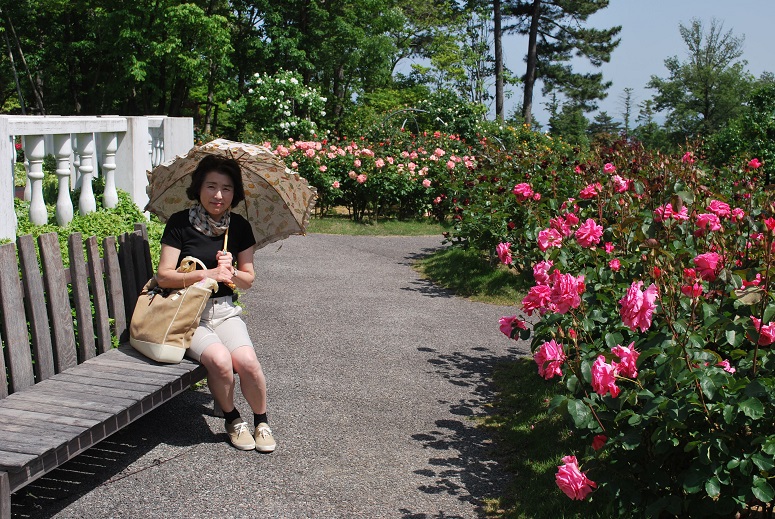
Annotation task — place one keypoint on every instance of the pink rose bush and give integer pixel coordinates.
(653, 309)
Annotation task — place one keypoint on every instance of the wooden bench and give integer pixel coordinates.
(67, 387)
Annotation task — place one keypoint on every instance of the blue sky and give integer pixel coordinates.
(650, 35)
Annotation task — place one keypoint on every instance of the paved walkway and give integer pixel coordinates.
(374, 376)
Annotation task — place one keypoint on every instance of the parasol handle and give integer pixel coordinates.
(225, 244)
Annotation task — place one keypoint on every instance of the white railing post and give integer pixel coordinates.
(35, 150)
(86, 203)
(132, 160)
(7, 162)
(110, 196)
(178, 136)
(63, 150)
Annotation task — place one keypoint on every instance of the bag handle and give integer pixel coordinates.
(189, 263)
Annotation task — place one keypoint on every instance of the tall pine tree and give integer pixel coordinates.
(556, 33)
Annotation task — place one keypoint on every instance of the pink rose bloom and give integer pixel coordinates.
(323, 168)
(754, 282)
(361, 178)
(609, 168)
(352, 174)
(357, 163)
(663, 213)
(708, 265)
(566, 290)
(561, 225)
(523, 191)
(538, 298)
(719, 208)
(540, 272)
(589, 233)
(439, 152)
(450, 164)
(609, 247)
(509, 326)
(599, 441)
(638, 307)
(737, 214)
(335, 184)
(574, 483)
(692, 291)
(549, 238)
(615, 265)
(766, 332)
(688, 158)
(708, 221)
(437, 200)
(604, 378)
(578, 170)
(571, 219)
(683, 214)
(504, 253)
(379, 163)
(725, 364)
(536, 196)
(309, 153)
(426, 183)
(591, 191)
(295, 165)
(620, 185)
(549, 357)
(755, 164)
(390, 160)
(628, 357)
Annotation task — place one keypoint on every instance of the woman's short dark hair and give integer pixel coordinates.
(226, 166)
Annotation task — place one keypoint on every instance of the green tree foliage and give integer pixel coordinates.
(603, 124)
(752, 134)
(556, 33)
(704, 92)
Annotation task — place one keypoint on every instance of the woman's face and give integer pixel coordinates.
(216, 194)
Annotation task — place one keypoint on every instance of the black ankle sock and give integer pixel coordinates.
(260, 418)
(231, 415)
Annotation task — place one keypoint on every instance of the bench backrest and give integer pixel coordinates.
(54, 317)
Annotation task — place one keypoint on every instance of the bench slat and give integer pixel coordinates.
(43, 405)
(37, 313)
(58, 302)
(148, 378)
(128, 274)
(14, 321)
(35, 416)
(80, 285)
(110, 384)
(97, 279)
(115, 289)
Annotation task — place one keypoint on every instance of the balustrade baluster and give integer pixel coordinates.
(110, 197)
(86, 203)
(63, 149)
(34, 150)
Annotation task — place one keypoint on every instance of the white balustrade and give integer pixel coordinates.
(63, 150)
(110, 196)
(34, 149)
(82, 146)
(86, 203)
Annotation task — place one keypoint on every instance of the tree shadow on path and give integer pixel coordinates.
(463, 456)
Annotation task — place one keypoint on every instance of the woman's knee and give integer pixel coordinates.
(246, 363)
(217, 360)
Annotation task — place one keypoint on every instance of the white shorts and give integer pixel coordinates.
(220, 323)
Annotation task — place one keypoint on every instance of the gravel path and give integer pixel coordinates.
(374, 376)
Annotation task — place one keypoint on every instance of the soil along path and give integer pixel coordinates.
(374, 378)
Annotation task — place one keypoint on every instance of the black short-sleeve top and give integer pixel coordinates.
(179, 233)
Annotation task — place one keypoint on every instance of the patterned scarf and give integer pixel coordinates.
(203, 223)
